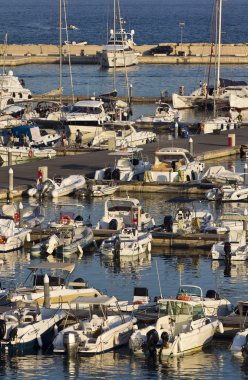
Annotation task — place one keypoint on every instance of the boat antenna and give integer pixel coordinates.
(60, 51)
(5, 50)
(115, 46)
(69, 54)
(159, 284)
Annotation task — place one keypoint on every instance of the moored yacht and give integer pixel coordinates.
(174, 165)
(12, 89)
(87, 116)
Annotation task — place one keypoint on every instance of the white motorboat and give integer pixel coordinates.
(239, 346)
(65, 241)
(12, 90)
(174, 165)
(123, 212)
(58, 186)
(129, 165)
(220, 123)
(27, 329)
(12, 237)
(101, 190)
(181, 327)
(122, 134)
(229, 221)
(32, 216)
(213, 305)
(24, 153)
(220, 175)
(34, 136)
(129, 242)
(103, 331)
(189, 220)
(87, 116)
(119, 51)
(233, 249)
(164, 114)
(228, 193)
(239, 101)
(62, 290)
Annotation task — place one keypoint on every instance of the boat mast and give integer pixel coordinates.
(219, 48)
(115, 46)
(60, 51)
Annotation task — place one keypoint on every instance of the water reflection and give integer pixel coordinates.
(129, 265)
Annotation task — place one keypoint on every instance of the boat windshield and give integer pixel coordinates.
(189, 157)
(120, 205)
(88, 110)
(190, 290)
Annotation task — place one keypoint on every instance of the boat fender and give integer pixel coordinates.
(65, 219)
(30, 154)
(3, 239)
(152, 340)
(183, 297)
(11, 318)
(2, 329)
(149, 247)
(116, 339)
(180, 346)
(39, 340)
(221, 328)
(16, 217)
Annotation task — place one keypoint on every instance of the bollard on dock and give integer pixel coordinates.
(191, 146)
(245, 173)
(9, 157)
(11, 184)
(20, 214)
(47, 303)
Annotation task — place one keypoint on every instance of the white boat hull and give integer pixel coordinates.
(122, 58)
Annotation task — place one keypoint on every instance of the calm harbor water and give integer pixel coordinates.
(215, 362)
(154, 21)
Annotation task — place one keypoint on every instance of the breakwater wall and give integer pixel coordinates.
(193, 53)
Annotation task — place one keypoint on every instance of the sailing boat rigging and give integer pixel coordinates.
(219, 93)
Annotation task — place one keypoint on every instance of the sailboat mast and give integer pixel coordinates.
(115, 86)
(219, 48)
(60, 50)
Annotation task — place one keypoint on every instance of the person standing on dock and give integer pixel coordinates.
(79, 138)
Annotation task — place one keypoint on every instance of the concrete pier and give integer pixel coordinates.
(193, 53)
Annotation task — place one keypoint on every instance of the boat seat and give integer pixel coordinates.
(162, 167)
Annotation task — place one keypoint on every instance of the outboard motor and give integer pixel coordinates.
(116, 174)
(52, 244)
(152, 341)
(2, 329)
(113, 224)
(165, 339)
(71, 341)
(212, 294)
(227, 250)
(168, 223)
(107, 174)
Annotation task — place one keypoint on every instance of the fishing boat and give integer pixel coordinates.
(120, 212)
(181, 328)
(213, 305)
(129, 242)
(174, 165)
(58, 186)
(102, 331)
(12, 238)
(129, 165)
(62, 290)
(122, 134)
(27, 328)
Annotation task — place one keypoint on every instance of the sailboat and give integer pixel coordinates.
(119, 51)
(223, 88)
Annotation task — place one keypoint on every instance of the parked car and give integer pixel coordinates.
(161, 49)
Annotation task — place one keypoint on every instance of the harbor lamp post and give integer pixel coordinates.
(181, 26)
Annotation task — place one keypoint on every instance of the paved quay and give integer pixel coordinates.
(185, 53)
(205, 147)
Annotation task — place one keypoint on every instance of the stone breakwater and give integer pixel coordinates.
(193, 53)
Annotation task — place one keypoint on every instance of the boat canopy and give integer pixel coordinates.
(53, 266)
(229, 82)
(101, 300)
